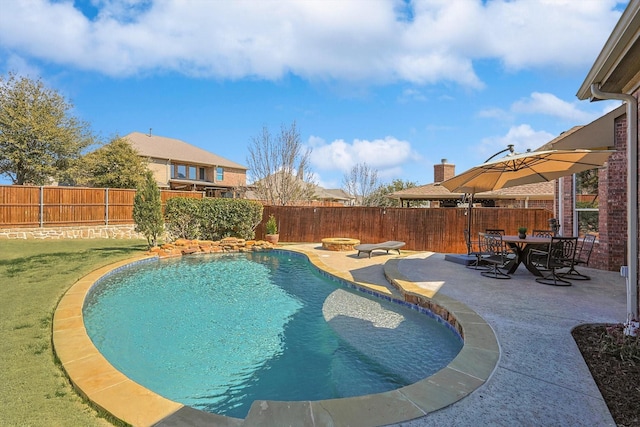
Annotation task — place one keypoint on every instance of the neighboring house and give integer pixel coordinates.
(615, 74)
(332, 196)
(296, 191)
(177, 165)
(539, 195)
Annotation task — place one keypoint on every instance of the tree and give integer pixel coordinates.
(147, 210)
(114, 165)
(279, 167)
(379, 196)
(360, 183)
(39, 138)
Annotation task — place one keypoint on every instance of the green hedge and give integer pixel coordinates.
(182, 217)
(212, 219)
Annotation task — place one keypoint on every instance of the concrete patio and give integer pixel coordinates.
(541, 378)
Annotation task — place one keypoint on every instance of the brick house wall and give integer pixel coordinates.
(610, 250)
(613, 194)
(234, 178)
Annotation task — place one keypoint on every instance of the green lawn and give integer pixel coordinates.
(34, 274)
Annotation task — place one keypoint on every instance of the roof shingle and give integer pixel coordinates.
(161, 147)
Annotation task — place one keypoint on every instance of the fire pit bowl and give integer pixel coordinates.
(340, 244)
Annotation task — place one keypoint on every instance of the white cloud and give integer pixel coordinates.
(409, 95)
(437, 41)
(385, 155)
(551, 105)
(522, 137)
(546, 33)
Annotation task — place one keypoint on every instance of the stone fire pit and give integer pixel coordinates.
(339, 244)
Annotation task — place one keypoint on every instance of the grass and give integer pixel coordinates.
(34, 274)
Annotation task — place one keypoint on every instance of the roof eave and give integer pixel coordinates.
(611, 69)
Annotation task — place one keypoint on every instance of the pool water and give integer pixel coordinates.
(218, 332)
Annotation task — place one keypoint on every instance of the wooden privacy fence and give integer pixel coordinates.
(437, 230)
(23, 206)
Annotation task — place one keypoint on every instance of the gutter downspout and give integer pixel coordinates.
(632, 203)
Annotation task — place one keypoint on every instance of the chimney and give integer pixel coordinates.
(443, 171)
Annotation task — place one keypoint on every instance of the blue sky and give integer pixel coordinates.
(397, 84)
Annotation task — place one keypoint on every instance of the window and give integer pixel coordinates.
(586, 203)
(219, 174)
(183, 171)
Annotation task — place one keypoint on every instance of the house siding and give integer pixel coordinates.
(161, 171)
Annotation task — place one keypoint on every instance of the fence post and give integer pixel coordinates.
(106, 206)
(41, 213)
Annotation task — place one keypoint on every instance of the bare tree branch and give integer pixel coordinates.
(279, 167)
(361, 183)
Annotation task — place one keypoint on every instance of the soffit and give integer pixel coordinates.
(617, 68)
(597, 135)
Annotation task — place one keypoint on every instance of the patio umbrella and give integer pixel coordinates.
(527, 168)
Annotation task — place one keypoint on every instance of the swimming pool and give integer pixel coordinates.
(303, 339)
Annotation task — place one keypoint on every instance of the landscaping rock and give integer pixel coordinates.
(182, 247)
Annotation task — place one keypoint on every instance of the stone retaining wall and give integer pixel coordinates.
(75, 232)
(228, 244)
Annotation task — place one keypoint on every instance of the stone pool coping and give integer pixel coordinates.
(110, 390)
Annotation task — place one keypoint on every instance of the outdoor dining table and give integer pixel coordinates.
(521, 248)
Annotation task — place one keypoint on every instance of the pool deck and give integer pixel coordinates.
(529, 373)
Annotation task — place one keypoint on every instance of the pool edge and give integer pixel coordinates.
(110, 390)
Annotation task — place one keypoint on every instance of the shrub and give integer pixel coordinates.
(271, 225)
(623, 347)
(212, 219)
(147, 210)
(182, 217)
(222, 218)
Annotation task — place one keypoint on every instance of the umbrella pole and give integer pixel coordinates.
(469, 218)
(470, 209)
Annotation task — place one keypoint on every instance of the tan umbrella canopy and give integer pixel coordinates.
(526, 168)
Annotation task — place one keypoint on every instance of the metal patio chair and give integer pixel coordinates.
(583, 254)
(499, 231)
(475, 250)
(560, 254)
(542, 233)
(498, 255)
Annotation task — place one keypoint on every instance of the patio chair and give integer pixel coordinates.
(499, 231)
(479, 264)
(498, 255)
(560, 254)
(583, 254)
(539, 263)
(542, 233)
(367, 248)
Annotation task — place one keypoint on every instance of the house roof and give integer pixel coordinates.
(319, 193)
(597, 135)
(616, 68)
(161, 147)
(335, 194)
(536, 191)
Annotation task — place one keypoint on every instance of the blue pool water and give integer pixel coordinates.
(218, 332)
